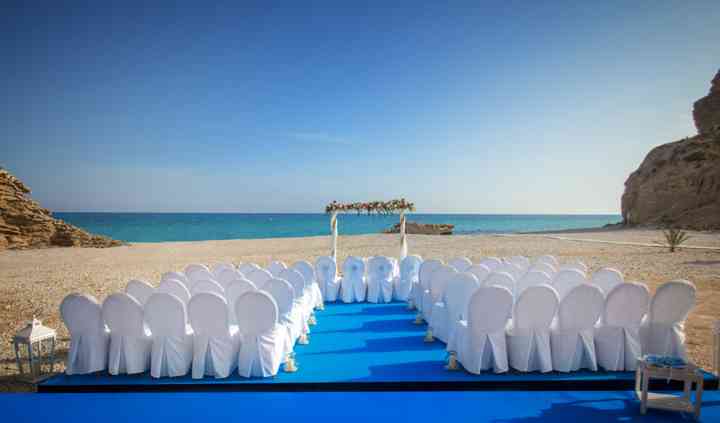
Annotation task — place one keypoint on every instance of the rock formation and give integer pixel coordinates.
(24, 224)
(678, 184)
(423, 228)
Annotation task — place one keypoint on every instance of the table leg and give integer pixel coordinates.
(645, 388)
(17, 357)
(698, 397)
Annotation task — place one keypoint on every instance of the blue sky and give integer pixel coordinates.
(487, 107)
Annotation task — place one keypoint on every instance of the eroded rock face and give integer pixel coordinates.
(706, 111)
(423, 228)
(25, 224)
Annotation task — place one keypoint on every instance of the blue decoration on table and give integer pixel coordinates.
(665, 361)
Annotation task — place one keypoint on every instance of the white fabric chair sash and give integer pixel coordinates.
(89, 340)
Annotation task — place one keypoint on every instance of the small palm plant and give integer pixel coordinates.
(674, 238)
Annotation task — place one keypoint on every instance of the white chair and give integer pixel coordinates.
(172, 341)
(326, 270)
(130, 345)
(207, 285)
(215, 347)
(528, 337)
(176, 288)
(606, 279)
(461, 264)
(567, 279)
(572, 339)
(533, 278)
(577, 265)
(140, 290)
(453, 308)
(512, 269)
(226, 276)
(258, 277)
(179, 276)
(219, 267)
(82, 316)
(546, 268)
(247, 268)
(617, 339)
(663, 332)
(276, 267)
(311, 286)
(520, 261)
(491, 263)
(480, 271)
(194, 267)
(353, 286)
(233, 291)
(480, 340)
(438, 283)
(409, 276)
(551, 260)
(380, 280)
(427, 268)
(262, 339)
(198, 274)
(288, 316)
(503, 279)
(302, 299)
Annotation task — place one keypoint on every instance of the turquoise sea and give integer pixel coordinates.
(160, 227)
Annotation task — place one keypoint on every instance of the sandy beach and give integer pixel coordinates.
(33, 282)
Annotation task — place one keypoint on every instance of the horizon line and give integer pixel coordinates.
(349, 213)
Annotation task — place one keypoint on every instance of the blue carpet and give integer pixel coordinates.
(358, 343)
(499, 407)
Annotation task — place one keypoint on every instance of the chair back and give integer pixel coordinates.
(567, 279)
(176, 288)
(532, 279)
(258, 277)
(461, 264)
(503, 279)
(626, 305)
(581, 308)
(208, 314)
(577, 265)
(536, 307)
(165, 315)
(439, 281)
(123, 314)
(672, 302)
(81, 314)
(489, 309)
(520, 261)
(198, 274)
(247, 268)
(459, 291)
(195, 266)
(512, 269)
(140, 290)
(546, 268)
(491, 263)
(380, 268)
(427, 268)
(296, 280)
(179, 276)
(410, 268)
(480, 271)
(257, 313)
(548, 259)
(606, 279)
(208, 285)
(233, 291)
(353, 268)
(282, 292)
(276, 267)
(325, 269)
(226, 276)
(219, 267)
(306, 270)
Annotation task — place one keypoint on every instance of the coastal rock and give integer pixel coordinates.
(678, 184)
(423, 228)
(25, 224)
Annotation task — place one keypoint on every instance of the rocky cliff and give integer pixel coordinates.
(423, 228)
(24, 224)
(678, 184)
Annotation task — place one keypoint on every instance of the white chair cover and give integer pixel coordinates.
(480, 340)
(226, 276)
(572, 339)
(215, 347)
(532, 279)
(195, 266)
(130, 345)
(461, 264)
(219, 267)
(302, 299)
(288, 316)
(551, 260)
(262, 339)
(663, 332)
(258, 277)
(176, 288)
(198, 274)
(207, 286)
(380, 280)
(606, 279)
(180, 276)
(520, 261)
(577, 265)
(276, 267)
(353, 286)
(427, 268)
(491, 263)
(247, 268)
(528, 337)
(88, 338)
(140, 290)
(436, 293)
(311, 285)
(446, 314)
(546, 268)
(480, 271)
(233, 291)
(409, 276)
(567, 279)
(503, 279)
(512, 269)
(617, 339)
(326, 270)
(172, 341)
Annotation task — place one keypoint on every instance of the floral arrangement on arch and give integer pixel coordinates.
(377, 207)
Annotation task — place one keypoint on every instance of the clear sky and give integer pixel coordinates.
(487, 107)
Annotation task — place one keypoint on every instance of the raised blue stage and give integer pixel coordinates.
(362, 347)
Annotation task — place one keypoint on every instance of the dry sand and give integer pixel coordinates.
(32, 283)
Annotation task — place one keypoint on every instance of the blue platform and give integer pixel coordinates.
(357, 347)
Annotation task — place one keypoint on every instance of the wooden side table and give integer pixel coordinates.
(689, 375)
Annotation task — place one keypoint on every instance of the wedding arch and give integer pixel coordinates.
(374, 207)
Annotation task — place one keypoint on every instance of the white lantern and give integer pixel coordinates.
(39, 342)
